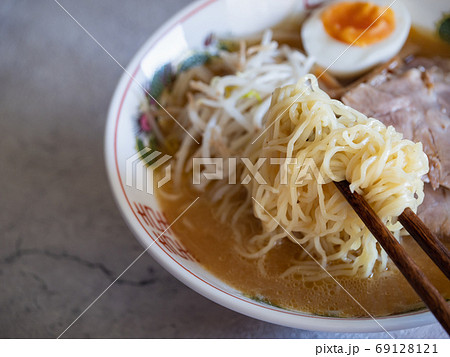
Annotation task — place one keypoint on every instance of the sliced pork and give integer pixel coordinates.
(414, 97)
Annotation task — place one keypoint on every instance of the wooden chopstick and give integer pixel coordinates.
(416, 278)
(437, 251)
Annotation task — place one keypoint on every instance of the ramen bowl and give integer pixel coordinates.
(187, 31)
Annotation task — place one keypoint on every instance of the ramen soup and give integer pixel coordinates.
(212, 243)
(233, 236)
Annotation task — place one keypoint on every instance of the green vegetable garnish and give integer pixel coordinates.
(252, 94)
(444, 28)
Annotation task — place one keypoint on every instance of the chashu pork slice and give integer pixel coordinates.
(416, 101)
(415, 98)
(434, 211)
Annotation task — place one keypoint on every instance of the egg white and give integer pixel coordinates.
(344, 60)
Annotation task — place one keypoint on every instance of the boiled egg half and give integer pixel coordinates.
(348, 38)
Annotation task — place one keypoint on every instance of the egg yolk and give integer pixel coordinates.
(358, 23)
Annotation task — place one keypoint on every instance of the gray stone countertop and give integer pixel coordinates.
(62, 239)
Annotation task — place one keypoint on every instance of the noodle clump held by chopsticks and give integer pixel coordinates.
(334, 142)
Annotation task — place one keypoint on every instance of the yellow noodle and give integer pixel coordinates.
(304, 123)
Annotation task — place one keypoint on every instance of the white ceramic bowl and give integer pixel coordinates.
(188, 30)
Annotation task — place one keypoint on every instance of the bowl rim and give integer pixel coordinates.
(216, 294)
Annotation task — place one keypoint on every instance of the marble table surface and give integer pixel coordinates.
(62, 239)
